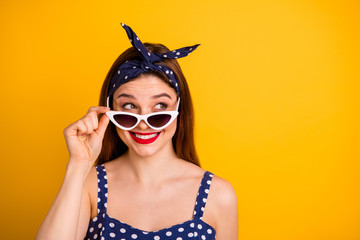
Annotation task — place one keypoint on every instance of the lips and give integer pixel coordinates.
(144, 138)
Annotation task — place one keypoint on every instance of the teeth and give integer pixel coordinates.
(145, 136)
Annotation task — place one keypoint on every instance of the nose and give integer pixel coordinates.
(142, 125)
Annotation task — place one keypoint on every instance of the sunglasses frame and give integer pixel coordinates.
(139, 117)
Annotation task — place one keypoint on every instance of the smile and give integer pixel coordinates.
(144, 138)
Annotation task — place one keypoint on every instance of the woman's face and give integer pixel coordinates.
(143, 95)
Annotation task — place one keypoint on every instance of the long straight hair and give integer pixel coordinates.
(183, 139)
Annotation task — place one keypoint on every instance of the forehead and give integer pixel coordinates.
(145, 86)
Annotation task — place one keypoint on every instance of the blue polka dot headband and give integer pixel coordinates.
(132, 68)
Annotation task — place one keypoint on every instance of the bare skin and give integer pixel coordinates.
(160, 188)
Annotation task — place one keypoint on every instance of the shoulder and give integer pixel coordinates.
(222, 193)
(221, 205)
(91, 177)
(96, 171)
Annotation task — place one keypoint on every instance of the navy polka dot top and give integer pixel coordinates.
(103, 227)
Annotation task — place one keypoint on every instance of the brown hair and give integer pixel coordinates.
(183, 139)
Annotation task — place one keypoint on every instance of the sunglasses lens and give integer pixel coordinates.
(159, 120)
(125, 120)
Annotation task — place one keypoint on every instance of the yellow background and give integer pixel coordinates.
(275, 87)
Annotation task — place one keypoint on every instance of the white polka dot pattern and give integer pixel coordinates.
(104, 227)
(149, 61)
(202, 195)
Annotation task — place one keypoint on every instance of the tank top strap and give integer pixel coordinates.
(202, 195)
(102, 188)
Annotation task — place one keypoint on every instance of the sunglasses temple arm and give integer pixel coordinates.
(178, 104)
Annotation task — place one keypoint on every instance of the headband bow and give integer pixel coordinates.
(132, 68)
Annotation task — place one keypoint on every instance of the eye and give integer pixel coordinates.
(128, 106)
(160, 106)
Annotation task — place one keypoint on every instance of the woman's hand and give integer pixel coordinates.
(84, 137)
(84, 140)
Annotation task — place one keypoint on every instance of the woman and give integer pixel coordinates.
(147, 182)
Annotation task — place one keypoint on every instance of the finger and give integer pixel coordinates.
(98, 109)
(94, 112)
(103, 123)
(89, 125)
(94, 119)
(80, 128)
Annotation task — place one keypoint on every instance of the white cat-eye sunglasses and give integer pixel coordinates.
(156, 120)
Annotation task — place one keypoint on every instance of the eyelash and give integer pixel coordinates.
(163, 106)
(124, 106)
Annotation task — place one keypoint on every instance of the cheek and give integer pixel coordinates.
(122, 134)
(172, 128)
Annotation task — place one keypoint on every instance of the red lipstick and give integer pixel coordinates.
(144, 138)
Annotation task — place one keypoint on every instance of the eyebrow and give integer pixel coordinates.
(161, 95)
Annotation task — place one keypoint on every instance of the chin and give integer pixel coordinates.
(144, 151)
